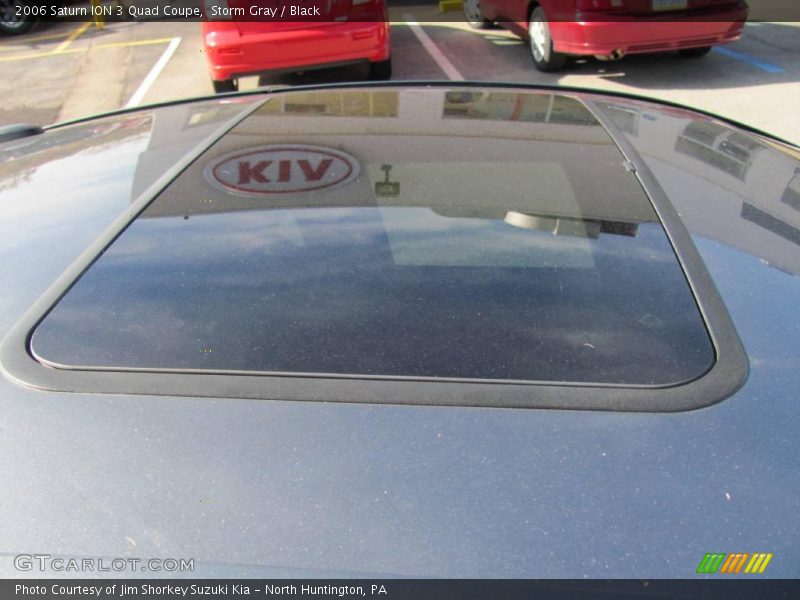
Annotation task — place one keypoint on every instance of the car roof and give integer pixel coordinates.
(244, 485)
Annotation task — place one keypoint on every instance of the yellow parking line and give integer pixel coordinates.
(72, 36)
(12, 44)
(136, 43)
(74, 50)
(34, 55)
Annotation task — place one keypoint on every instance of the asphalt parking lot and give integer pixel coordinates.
(62, 71)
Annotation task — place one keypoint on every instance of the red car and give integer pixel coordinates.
(240, 38)
(610, 29)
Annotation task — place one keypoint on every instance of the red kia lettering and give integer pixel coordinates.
(248, 173)
(314, 175)
(281, 169)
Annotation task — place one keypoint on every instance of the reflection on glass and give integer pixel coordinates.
(90, 138)
(509, 259)
(384, 291)
(770, 222)
(207, 114)
(719, 147)
(791, 195)
(334, 104)
(568, 226)
(624, 117)
(517, 106)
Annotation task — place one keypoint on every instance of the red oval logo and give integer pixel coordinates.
(281, 169)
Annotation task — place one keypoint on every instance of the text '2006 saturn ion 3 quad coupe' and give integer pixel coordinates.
(421, 330)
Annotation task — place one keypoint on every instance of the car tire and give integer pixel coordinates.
(380, 71)
(541, 43)
(695, 52)
(10, 24)
(473, 15)
(226, 85)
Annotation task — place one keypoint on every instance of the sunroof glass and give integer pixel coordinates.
(478, 236)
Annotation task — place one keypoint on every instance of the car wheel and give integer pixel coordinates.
(225, 86)
(473, 15)
(10, 23)
(380, 71)
(541, 43)
(695, 52)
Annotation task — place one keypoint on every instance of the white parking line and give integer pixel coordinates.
(436, 54)
(154, 73)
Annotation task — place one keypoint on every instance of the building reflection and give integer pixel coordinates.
(351, 103)
(719, 147)
(715, 175)
(516, 106)
(531, 160)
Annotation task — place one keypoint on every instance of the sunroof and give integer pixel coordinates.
(474, 236)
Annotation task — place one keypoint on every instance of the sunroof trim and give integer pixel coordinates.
(727, 373)
(349, 376)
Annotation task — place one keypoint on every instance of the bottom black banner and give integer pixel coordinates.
(395, 589)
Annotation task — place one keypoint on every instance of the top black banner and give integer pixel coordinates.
(333, 11)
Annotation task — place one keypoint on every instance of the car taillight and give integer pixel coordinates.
(599, 5)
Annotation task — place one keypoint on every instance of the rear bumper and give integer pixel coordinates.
(639, 35)
(231, 54)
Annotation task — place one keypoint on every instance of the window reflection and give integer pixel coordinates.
(516, 106)
(719, 147)
(334, 104)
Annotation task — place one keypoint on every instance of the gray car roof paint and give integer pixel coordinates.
(270, 486)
